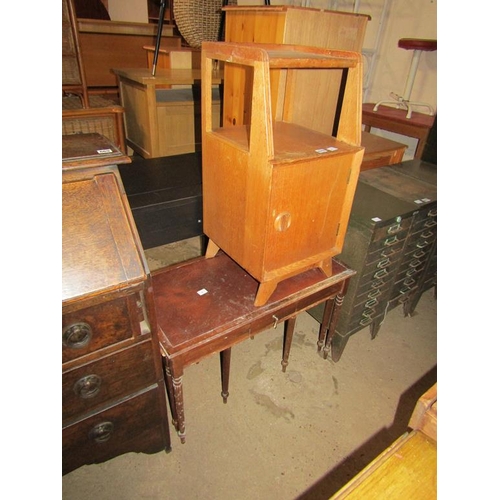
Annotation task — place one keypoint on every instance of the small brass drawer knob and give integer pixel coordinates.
(88, 387)
(77, 335)
(101, 432)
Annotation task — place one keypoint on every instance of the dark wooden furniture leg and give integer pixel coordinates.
(170, 391)
(339, 299)
(289, 329)
(176, 398)
(225, 364)
(325, 322)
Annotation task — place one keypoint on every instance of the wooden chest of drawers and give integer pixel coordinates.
(113, 392)
(391, 243)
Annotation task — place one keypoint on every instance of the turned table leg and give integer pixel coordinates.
(289, 329)
(325, 322)
(176, 399)
(339, 300)
(225, 363)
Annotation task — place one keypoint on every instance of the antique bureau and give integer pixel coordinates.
(391, 243)
(113, 391)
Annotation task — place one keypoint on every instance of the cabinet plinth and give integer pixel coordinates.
(276, 194)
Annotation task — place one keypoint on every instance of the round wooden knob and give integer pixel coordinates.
(282, 221)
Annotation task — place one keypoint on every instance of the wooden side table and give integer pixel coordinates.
(394, 120)
(205, 306)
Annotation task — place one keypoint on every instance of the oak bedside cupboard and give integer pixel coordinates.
(277, 195)
(113, 391)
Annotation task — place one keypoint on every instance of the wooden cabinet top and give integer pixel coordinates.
(285, 8)
(176, 76)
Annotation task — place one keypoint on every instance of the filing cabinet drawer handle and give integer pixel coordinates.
(423, 244)
(367, 314)
(415, 263)
(428, 234)
(378, 284)
(432, 212)
(101, 432)
(419, 254)
(77, 335)
(391, 241)
(374, 294)
(394, 228)
(371, 303)
(409, 281)
(87, 387)
(383, 263)
(381, 273)
(388, 252)
(365, 321)
(410, 272)
(430, 223)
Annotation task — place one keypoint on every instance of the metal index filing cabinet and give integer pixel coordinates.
(391, 243)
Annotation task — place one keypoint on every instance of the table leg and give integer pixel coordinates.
(325, 322)
(289, 329)
(339, 300)
(179, 407)
(225, 363)
(170, 391)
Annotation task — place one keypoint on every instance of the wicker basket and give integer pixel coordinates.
(199, 20)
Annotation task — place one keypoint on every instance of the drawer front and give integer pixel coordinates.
(135, 425)
(94, 328)
(109, 378)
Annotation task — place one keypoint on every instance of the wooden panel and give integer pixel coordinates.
(299, 26)
(408, 469)
(109, 44)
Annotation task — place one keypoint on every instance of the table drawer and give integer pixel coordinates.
(134, 425)
(107, 379)
(88, 330)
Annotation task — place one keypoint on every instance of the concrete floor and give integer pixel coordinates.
(295, 435)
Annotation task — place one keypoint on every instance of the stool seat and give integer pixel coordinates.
(418, 44)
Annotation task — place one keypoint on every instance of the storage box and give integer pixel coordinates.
(165, 197)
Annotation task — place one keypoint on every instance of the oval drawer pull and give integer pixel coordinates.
(101, 432)
(88, 387)
(77, 335)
